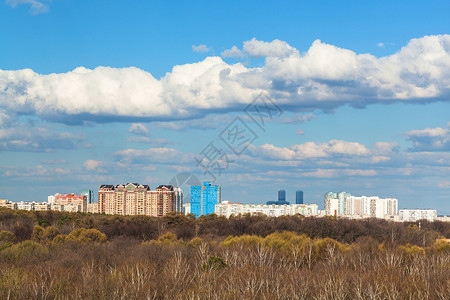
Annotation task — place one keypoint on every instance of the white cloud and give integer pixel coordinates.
(200, 48)
(138, 129)
(325, 77)
(273, 152)
(381, 45)
(333, 147)
(277, 48)
(383, 148)
(92, 165)
(37, 7)
(430, 139)
(310, 150)
(233, 52)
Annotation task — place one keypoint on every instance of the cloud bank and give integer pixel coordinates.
(323, 78)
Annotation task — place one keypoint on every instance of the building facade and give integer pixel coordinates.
(346, 205)
(414, 215)
(8, 204)
(204, 198)
(89, 196)
(299, 197)
(178, 199)
(281, 199)
(136, 199)
(281, 195)
(77, 203)
(228, 209)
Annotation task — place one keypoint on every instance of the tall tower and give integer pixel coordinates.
(204, 198)
(281, 196)
(178, 199)
(299, 197)
(89, 195)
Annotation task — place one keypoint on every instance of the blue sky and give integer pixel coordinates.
(95, 92)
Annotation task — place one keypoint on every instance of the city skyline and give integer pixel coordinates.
(104, 92)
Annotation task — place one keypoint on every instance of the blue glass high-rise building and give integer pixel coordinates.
(281, 195)
(204, 198)
(299, 197)
(281, 199)
(89, 196)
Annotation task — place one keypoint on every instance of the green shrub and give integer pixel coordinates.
(37, 234)
(59, 239)
(215, 263)
(195, 242)
(87, 236)
(25, 250)
(6, 239)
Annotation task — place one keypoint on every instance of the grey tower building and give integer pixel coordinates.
(281, 196)
(299, 197)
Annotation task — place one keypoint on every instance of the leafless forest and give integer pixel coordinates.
(54, 255)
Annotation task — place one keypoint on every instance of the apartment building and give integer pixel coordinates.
(137, 199)
(345, 204)
(228, 209)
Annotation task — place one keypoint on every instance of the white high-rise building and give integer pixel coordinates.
(344, 204)
(178, 199)
(187, 208)
(52, 198)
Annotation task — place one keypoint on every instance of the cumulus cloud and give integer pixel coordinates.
(138, 129)
(200, 48)
(430, 139)
(276, 48)
(233, 52)
(383, 148)
(311, 150)
(324, 78)
(91, 165)
(36, 7)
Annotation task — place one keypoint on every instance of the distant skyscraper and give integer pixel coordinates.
(178, 199)
(89, 195)
(204, 198)
(281, 199)
(299, 197)
(281, 195)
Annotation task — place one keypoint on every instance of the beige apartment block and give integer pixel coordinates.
(92, 208)
(41, 206)
(136, 199)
